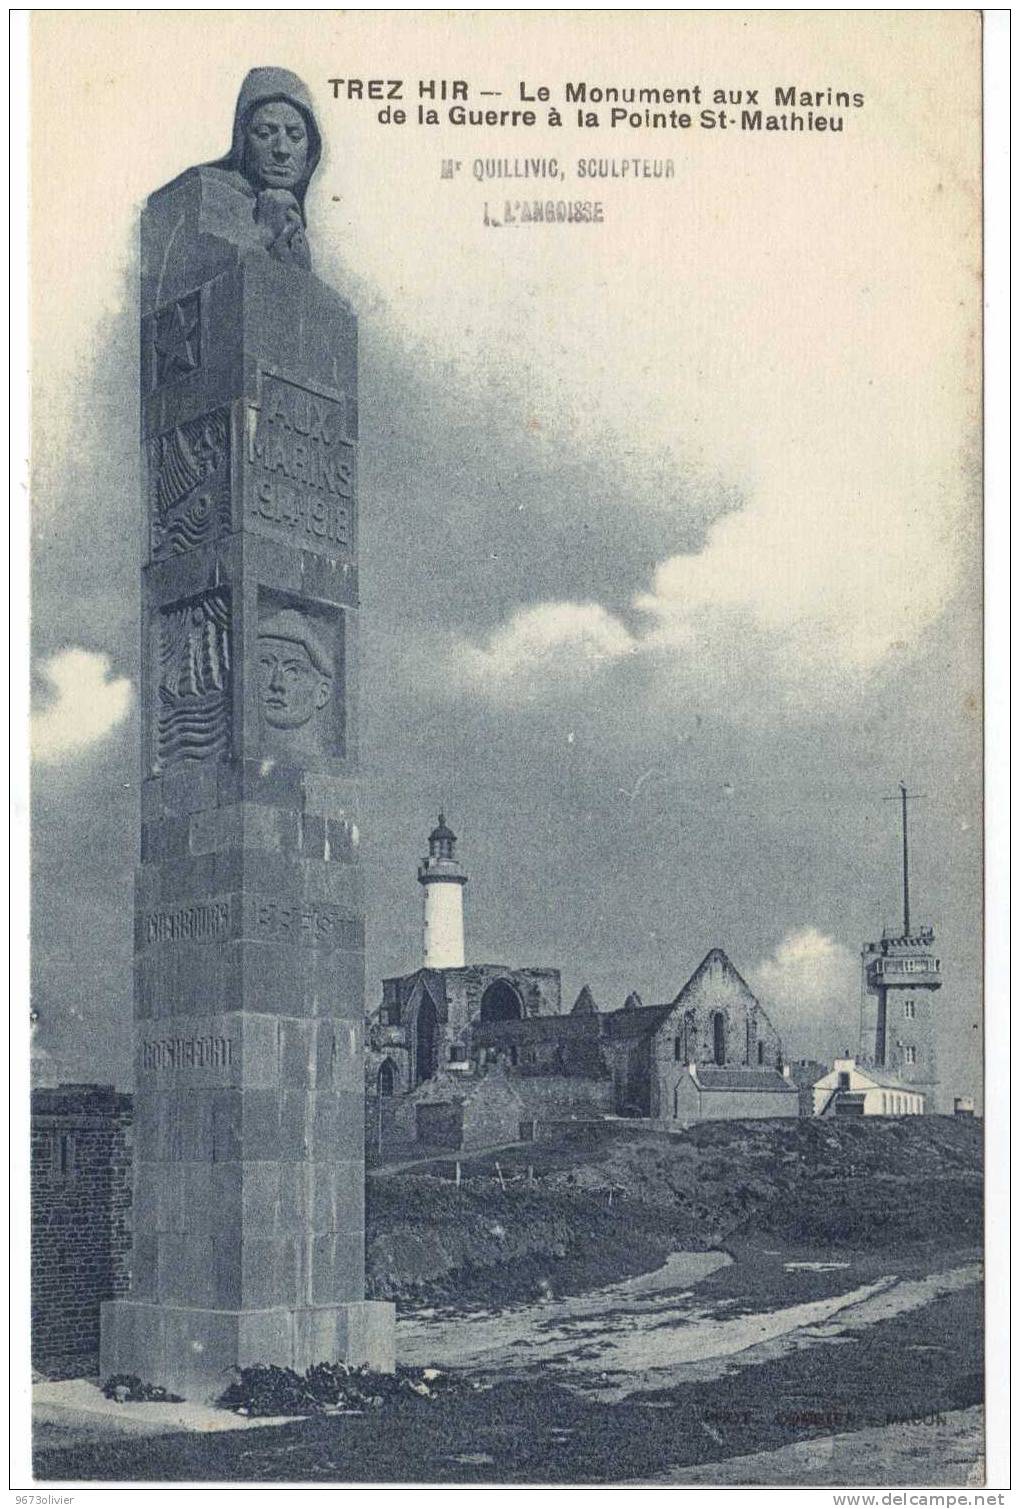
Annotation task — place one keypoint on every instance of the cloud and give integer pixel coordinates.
(86, 703)
(777, 613)
(810, 985)
(550, 640)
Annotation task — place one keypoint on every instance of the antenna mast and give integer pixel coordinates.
(904, 797)
(906, 865)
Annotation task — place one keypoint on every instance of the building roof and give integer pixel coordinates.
(442, 831)
(712, 1077)
(533, 1029)
(883, 1079)
(714, 956)
(585, 1001)
(636, 1021)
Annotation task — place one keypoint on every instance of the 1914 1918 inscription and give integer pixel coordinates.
(301, 466)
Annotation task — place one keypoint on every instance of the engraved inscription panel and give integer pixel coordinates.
(189, 484)
(301, 467)
(193, 683)
(311, 923)
(202, 922)
(208, 1051)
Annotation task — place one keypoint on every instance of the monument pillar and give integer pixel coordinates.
(249, 926)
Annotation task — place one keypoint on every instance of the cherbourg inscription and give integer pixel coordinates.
(189, 924)
(302, 464)
(314, 924)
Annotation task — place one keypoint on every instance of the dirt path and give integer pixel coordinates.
(947, 1450)
(656, 1331)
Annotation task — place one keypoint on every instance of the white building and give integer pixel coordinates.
(851, 1089)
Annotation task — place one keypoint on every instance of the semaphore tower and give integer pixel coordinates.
(900, 976)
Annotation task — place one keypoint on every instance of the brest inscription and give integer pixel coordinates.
(302, 465)
(193, 720)
(189, 479)
(314, 924)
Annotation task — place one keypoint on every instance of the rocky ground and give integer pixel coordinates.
(589, 1209)
(815, 1310)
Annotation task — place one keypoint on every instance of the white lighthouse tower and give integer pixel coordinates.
(443, 882)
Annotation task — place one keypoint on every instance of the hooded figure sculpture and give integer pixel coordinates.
(274, 152)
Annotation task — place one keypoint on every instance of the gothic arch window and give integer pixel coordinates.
(500, 1003)
(387, 1077)
(719, 1038)
(426, 1040)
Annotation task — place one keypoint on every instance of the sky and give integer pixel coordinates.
(670, 526)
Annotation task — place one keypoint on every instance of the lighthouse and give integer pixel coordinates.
(443, 882)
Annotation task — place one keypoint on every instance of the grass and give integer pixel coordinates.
(533, 1431)
(859, 1184)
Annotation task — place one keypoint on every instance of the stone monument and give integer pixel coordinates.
(249, 928)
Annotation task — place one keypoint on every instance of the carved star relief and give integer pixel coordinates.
(175, 340)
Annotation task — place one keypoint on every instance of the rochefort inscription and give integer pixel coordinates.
(209, 1052)
(302, 465)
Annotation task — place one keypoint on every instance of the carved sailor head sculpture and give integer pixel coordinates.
(275, 149)
(296, 675)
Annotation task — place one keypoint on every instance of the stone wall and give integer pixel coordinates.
(81, 1220)
(556, 1095)
(721, 1105)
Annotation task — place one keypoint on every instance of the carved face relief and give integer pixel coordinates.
(291, 688)
(276, 146)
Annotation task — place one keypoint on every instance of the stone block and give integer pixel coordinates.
(188, 788)
(313, 836)
(331, 795)
(337, 1267)
(269, 1272)
(260, 1124)
(329, 580)
(350, 1122)
(349, 1203)
(338, 883)
(215, 829)
(260, 1200)
(227, 1126)
(296, 1113)
(296, 1052)
(192, 1350)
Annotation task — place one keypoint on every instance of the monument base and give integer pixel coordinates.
(193, 1352)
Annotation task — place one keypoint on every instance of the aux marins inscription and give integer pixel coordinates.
(301, 463)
